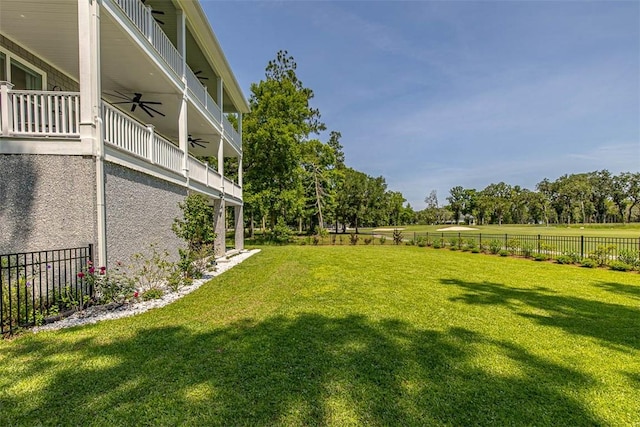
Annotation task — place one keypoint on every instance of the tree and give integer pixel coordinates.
(318, 162)
(456, 201)
(281, 118)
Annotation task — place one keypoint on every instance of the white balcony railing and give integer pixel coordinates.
(142, 18)
(45, 114)
(41, 113)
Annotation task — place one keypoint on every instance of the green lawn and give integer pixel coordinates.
(594, 230)
(343, 335)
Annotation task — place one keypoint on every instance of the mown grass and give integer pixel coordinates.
(591, 230)
(347, 335)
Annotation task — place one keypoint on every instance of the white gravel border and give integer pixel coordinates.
(98, 313)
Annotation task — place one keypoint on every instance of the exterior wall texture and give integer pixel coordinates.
(55, 78)
(140, 211)
(46, 202)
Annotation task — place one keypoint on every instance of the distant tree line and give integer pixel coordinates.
(593, 197)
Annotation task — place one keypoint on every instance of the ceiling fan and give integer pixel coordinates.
(157, 12)
(137, 101)
(196, 73)
(196, 141)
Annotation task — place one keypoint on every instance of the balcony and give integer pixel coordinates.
(139, 17)
(46, 115)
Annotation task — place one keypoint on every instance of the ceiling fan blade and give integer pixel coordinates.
(158, 12)
(122, 102)
(133, 107)
(199, 145)
(121, 95)
(151, 102)
(152, 109)
(145, 109)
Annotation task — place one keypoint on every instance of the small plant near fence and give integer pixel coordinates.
(513, 246)
(382, 240)
(397, 237)
(353, 239)
(495, 246)
(629, 257)
(602, 255)
(454, 243)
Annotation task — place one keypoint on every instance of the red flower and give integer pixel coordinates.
(92, 270)
(81, 275)
(135, 294)
(102, 270)
(89, 262)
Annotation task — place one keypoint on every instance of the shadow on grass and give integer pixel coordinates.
(307, 370)
(621, 289)
(611, 324)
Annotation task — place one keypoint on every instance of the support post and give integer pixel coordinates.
(219, 219)
(239, 226)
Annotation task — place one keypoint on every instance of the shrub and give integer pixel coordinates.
(513, 245)
(471, 244)
(110, 286)
(475, 250)
(196, 226)
(397, 237)
(620, 266)
(150, 271)
(437, 243)
(564, 259)
(454, 242)
(629, 257)
(588, 263)
(527, 250)
(540, 257)
(353, 238)
(280, 234)
(421, 241)
(495, 246)
(603, 254)
(368, 240)
(382, 240)
(152, 293)
(503, 252)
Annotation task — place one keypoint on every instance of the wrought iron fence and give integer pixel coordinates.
(581, 247)
(35, 286)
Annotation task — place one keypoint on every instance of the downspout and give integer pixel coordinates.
(100, 194)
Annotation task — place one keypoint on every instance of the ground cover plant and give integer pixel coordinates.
(344, 335)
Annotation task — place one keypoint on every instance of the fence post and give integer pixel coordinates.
(459, 241)
(581, 246)
(538, 243)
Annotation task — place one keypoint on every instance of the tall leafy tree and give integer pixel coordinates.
(281, 118)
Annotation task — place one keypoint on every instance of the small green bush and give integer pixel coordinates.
(421, 241)
(382, 240)
(620, 266)
(527, 250)
(454, 242)
(437, 243)
(603, 254)
(368, 240)
(397, 237)
(564, 259)
(540, 257)
(629, 257)
(475, 250)
(471, 244)
(353, 238)
(588, 263)
(152, 293)
(503, 252)
(513, 246)
(495, 246)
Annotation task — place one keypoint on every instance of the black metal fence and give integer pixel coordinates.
(35, 286)
(515, 244)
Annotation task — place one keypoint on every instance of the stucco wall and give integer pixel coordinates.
(55, 78)
(140, 211)
(46, 202)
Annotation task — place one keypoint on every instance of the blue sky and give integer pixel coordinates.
(434, 94)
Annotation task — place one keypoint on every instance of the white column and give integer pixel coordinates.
(239, 227)
(183, 129)
(90, 108)
(5, 99)
(219, 227)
